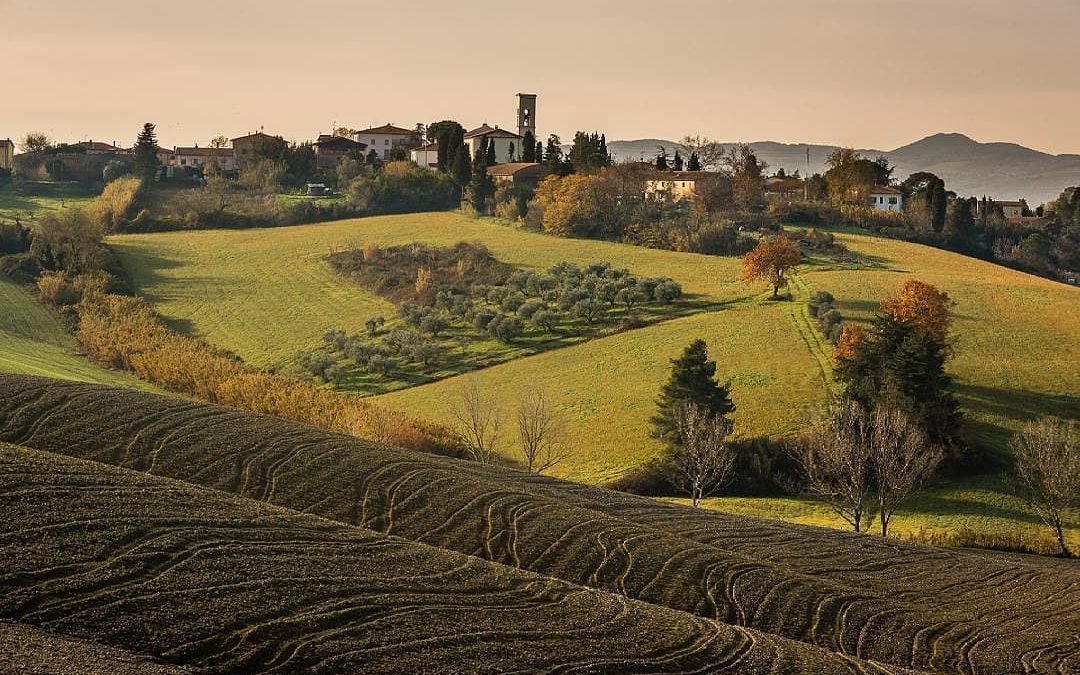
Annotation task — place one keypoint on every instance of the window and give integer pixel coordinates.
(183, 162)
(892, 200)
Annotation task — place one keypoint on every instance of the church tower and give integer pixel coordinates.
(526, 114)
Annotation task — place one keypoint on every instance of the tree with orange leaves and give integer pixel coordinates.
(921, 305)
(851, 336)
(771, 259)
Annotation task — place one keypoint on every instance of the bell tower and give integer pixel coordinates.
(526, 114)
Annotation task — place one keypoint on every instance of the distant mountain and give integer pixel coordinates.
(999, 170)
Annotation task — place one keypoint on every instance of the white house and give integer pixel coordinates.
(502, 139)
(196, 157)
(383, 139)
(676, 186)
(426, 155)
(884, 198)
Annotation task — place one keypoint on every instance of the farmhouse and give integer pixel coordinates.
(885, 198)
(7, 154)
(426, 155)
(780, 189)
(507, 143)
(521, 173)
(675, 186)
(1012, 209)
(383, 139)
(244, 147)
(195, 157)
(330, 150)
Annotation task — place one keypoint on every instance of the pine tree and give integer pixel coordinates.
(694, 164)
(553, 155)
(677, 162)
(692, 381)
(528, 147)
(146, 159)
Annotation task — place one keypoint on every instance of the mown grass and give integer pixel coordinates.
(975, 512)
(25, 208)
(33, 342)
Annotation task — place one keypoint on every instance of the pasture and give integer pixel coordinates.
(33, 342)
(815, 586)
(25, 208)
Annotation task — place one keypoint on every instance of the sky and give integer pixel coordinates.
(863, 73)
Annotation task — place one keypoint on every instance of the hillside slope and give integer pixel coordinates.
(33, 342)
(817, 586)
(203, 579)
(26, 650)
(265, 294)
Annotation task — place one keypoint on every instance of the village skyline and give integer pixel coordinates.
(723, 71)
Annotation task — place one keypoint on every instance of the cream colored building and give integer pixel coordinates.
(507, 143)
(884, 198)
(383, 139)
(7, 154)
(1012, 209)
(426, 155)
(675, 186)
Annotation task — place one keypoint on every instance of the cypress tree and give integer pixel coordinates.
(677, 163)
(146, 159)
(694, 164)
(692, 381)
(528, 147)
(480, 185)
(511, 157)
(461, 167)
(489, 157)
(661, 160)
(605, 156)
(539, 151)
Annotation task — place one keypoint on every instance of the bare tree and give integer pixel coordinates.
(540, 431)
(219, 142)
(834, 459)
(35, 141)
(902, 459)
(703, 461)
(1048, 469)
(710, 153)
(477, 422)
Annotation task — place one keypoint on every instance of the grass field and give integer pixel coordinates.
(947, 611)
(25, 207)
(32, 342)
(267, 293)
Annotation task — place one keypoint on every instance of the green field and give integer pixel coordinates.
(32, 342)
(25, 207)
(267, 293)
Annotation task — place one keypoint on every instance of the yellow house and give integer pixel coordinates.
(676, 185)
(7, 154)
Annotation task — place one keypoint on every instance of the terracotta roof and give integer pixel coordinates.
(387, 130)
(204, 152)
(490, 132)
(513, 168)
(257, 134)
(430, 147)
(97, 146)
(884, 190)
(338, 143)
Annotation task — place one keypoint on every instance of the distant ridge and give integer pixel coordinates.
(998, 170)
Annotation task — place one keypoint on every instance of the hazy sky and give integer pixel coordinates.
(868, 73)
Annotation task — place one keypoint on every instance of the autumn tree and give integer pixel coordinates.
(923, 306)
(833, 458)
(851, 336)
(477, 422)
(1047, 460)
(692, 380)
(902, 458)
(770, 260)
(703, 461)
(540, 431)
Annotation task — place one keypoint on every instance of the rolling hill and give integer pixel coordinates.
(33, 342)
(1003, 171)
(265, 294)
(816, 586)
(198, 578)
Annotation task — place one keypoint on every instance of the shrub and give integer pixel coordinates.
(373, 324)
